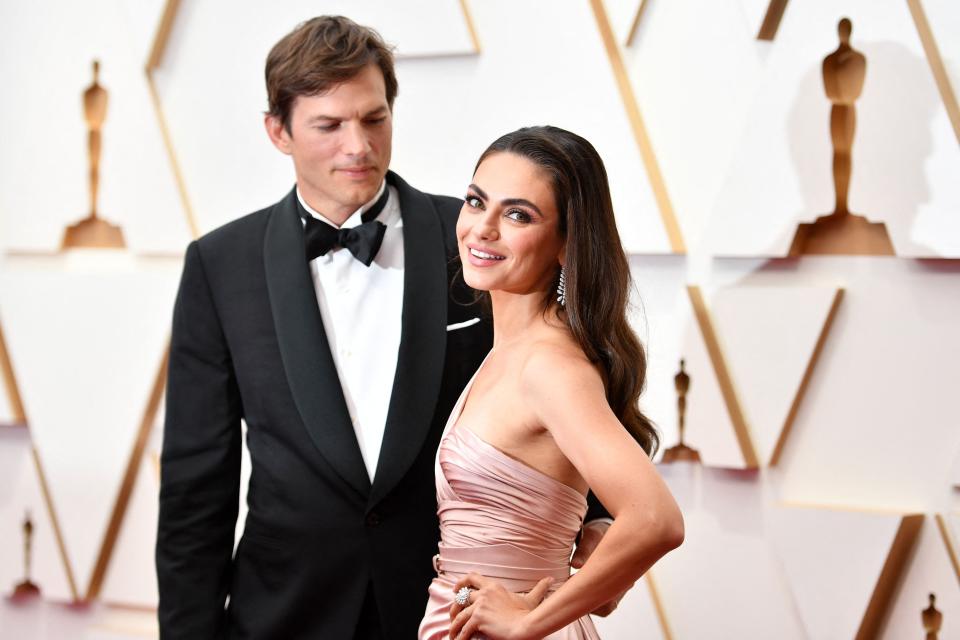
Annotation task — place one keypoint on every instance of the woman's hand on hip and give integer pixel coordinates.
(493, 611)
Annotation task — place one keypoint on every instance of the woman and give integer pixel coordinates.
(551, 411)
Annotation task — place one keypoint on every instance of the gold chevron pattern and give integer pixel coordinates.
(664, 601)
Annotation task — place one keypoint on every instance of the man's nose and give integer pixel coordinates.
(355, 141)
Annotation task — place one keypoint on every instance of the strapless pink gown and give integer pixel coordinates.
(502, 519)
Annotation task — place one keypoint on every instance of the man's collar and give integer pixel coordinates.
(355, 217)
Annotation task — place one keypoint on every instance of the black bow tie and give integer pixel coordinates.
(363, 241)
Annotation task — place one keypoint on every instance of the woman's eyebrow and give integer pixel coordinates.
(480, 192)
(523, 202)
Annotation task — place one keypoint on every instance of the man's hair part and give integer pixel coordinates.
(318, 55)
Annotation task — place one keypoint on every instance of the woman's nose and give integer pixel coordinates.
(487, 228)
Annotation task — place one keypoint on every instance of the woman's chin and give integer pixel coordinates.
(479, 284)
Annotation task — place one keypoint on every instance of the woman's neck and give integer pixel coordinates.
(515, 315)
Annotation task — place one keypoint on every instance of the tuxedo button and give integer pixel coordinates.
(373, 519)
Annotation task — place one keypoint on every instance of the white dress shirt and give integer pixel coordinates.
(362, 308)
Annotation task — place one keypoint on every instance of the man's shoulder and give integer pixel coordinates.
(239, 229)
(448, 210)
(236, 243)
(241, 235)
(446, 206)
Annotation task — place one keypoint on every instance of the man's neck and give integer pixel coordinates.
(332, 213)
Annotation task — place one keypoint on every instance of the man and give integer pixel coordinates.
(335, 324)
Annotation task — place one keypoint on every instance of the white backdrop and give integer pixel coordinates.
(867, 424)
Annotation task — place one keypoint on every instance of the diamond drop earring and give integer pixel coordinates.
(562, 288)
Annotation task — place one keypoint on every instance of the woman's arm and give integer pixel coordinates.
(566, 393)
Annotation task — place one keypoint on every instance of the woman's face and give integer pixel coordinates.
(509, 228)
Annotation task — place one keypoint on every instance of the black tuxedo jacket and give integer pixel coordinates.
(248, 342)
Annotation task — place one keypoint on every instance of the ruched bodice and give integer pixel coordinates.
(500, 518)
(486, 498)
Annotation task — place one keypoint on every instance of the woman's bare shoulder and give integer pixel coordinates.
(555, 361)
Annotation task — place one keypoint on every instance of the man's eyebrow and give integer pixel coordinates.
(322, 116)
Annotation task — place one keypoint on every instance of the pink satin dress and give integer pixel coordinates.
(502, 519)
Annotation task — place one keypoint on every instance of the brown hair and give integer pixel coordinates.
(319, 54)
(597, 275)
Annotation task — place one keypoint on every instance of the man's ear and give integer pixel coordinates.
(277, 133)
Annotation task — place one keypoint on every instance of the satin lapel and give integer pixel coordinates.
(423, 340)
(311, 372)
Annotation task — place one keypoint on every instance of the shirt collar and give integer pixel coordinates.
(354, 219)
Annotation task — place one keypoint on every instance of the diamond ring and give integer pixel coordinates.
(463, 596)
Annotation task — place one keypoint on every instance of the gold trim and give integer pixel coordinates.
(471, 27)
(936, 64)
(772, 19)
(893, 568)
(635, 25)
(727, 388)
(55, 523)
(639, 129)
(658, 607)
(129, 481)
(16, 404)
(172, 154)
(807, 374)
(10, 383)
(160, 40)
(948, 543)
(162, 36)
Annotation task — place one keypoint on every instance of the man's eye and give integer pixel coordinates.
(328, 127)
(379, 120)
(519, 215)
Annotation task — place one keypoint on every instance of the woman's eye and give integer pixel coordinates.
(473, 201)
(519, 215)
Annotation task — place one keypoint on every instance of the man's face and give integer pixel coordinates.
(340, 143)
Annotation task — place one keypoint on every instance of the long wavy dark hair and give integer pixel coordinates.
(597, 275)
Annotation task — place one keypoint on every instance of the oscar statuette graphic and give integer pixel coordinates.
(94, 231)
(842, 232)
(932, 620)
(26, 589)
(680, 452)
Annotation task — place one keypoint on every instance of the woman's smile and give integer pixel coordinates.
(483, 256)
(508, 227)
